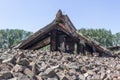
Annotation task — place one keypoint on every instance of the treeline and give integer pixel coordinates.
(105, 37)
(11, 37)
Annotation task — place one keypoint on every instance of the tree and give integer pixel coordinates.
(11, 37)
(103, 36)
(116, 40)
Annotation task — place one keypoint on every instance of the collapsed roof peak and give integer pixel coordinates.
(59, 13)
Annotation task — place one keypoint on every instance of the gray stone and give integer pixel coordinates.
(75, 77)
(85, 58)
(119, 78)
(34, 67)
(50, 73)
(108, 71)
(55, 78)
(118, 67)
(73, 65)
(18, 68)
(6, 75)
(22, 77)
(23, 62)
(91, 72)
(95, 77)
(84, 69)
(81, 77)
(86, 75)
(18, 60)
(20, 54)
(29, 73)
(43, 66)
(112, 64)
(72, 71)
(61, 75)
(7, 60)
(15, 78)
(96, 54)
(39, 77)
(103, 76)
(64, 78)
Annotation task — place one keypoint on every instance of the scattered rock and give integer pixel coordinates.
(73, 65)
(81, 77)
(18, 68)
(91, 72)
(18, 64)
(29, 73)
(64, 78)
(7, 60)
(103, 76)
(15, 78)
(86, 74)
(96, 54)
(23, 62)
(118, 67)
(39, 77)
(50, 73)
(6, 75)
(75, 77)
(84, 69)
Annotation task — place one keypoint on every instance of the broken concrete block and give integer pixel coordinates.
(5, 75)
(7, 60)
(23, 62)
(29, 73)
(103, 76)
(18, 68)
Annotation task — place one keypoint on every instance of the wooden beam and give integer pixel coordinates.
(41, 44)
(53, 41)
(34, 38)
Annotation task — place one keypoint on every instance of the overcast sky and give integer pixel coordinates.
(31, 15)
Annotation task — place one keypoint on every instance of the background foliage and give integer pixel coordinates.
(11, 37)
(105, 37)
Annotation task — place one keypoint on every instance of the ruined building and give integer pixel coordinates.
(62, 36)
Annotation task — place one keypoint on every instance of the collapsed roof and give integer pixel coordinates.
(60, 33)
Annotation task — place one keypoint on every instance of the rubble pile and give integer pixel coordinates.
(18, 64)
